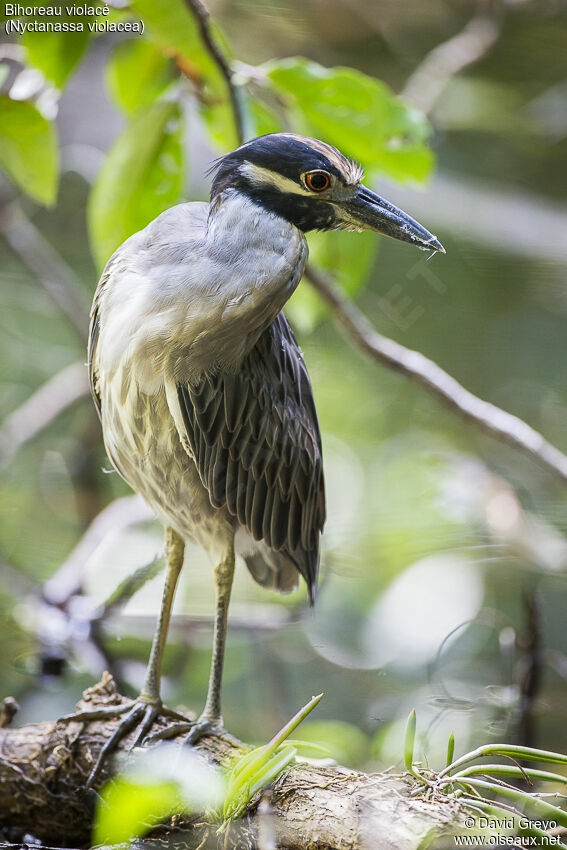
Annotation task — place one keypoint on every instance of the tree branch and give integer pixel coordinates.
(423, 88)
(491, 419)
(202, 16)
(50, 269)
(41, 408)
(115, 517)
(445, 61)
(44, 767)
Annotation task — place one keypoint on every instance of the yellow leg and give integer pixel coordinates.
(143, 711)
(224, 574)
(174, 550)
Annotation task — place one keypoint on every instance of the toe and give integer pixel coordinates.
(150, 716)
(202, 728)
(172, 730)
(123, 728)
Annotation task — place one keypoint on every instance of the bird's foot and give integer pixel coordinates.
(203, 727)
(194, 731)
(141, 712)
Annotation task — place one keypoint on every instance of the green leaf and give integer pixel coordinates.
(512, 751)
(136, 74)
(266, 770)
(177, 35)
(263, 764)
(28, 149)
(57, 54)
(262, 119)
(141, 177)
(175, 31)
(533, 807)
(409, 740)
(358, 114)
(130, 808)
(450, 749)
(525, 773)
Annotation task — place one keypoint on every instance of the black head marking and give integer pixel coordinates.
(289, 156)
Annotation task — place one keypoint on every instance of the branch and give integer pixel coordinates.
(44, 767)
(202, 16)
(118, 515)
(445, 61)
(491, 419)
(41, 408)
(50, 269)
(423, 88)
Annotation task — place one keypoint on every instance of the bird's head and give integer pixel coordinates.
(314, 186)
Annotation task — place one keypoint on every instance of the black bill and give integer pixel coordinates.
(371, 212)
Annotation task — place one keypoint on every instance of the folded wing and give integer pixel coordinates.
(255, 439)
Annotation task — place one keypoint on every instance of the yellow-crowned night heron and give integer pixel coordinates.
(205, 401)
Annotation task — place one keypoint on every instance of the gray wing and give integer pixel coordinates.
(255, 439)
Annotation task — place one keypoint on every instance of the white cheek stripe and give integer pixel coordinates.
(263, 176)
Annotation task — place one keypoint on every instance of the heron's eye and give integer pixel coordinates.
(317, 181)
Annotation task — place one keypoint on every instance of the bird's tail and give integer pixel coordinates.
(272, 569)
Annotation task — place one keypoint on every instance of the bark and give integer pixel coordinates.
(44, 768)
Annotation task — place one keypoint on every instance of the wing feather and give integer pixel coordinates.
(255, 439)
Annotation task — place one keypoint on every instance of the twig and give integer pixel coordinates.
(202, 16)
(8, 711)
(491, 419)
(446, 60)
(530, 672)
(120, 514)
(41, 408)
(130, 585)
(50, 269)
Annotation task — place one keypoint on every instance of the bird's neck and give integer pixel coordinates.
(181, 305)
(259, 258)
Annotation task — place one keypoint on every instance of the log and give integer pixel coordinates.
(44, 768)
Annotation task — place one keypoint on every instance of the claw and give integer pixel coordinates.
(204, 727)
(201, 728)
(124, 727)
(151, 714)
(170, 731)
(194, 731)
(140, 712)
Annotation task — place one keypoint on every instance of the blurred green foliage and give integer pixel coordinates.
(129, 808)
(141, 177)
(358, 114)
(409, 494)
(137, 73)
(143, 172)
(28, 149)
(157, 784)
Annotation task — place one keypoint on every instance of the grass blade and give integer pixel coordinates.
(510, 770)
(450, 750)
(409, 741)
(506, 751)
(527, 803)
